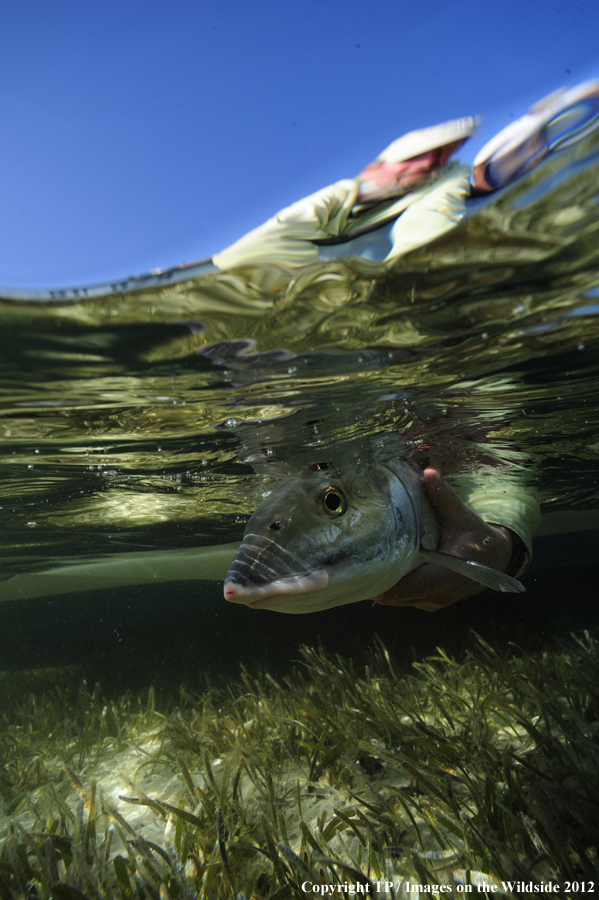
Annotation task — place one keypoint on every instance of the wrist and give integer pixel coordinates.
(519, 556)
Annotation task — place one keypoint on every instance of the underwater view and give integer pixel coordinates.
(161, 739)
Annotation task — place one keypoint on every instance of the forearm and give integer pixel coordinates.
(517, 511)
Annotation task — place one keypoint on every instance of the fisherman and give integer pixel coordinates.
(410, 195)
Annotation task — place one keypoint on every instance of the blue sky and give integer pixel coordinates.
(141, 134)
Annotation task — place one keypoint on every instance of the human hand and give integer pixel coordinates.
(463, 533)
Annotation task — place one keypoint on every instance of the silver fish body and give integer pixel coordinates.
(324, 539)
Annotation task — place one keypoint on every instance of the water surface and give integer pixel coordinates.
(154, 414)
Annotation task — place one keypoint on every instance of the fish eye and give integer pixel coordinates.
(333, 502)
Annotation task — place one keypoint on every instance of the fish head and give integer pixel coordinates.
(322, 539)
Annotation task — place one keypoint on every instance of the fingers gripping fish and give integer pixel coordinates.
(322, 540)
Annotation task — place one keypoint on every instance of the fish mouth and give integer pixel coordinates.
(256, 595)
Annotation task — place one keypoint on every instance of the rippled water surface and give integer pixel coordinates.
(156, 413)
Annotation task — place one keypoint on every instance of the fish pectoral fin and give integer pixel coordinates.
(491, 578)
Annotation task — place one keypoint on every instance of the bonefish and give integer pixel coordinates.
(323, 539)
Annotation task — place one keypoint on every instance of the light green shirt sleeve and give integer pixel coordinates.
(515, 509)
(286, 239)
